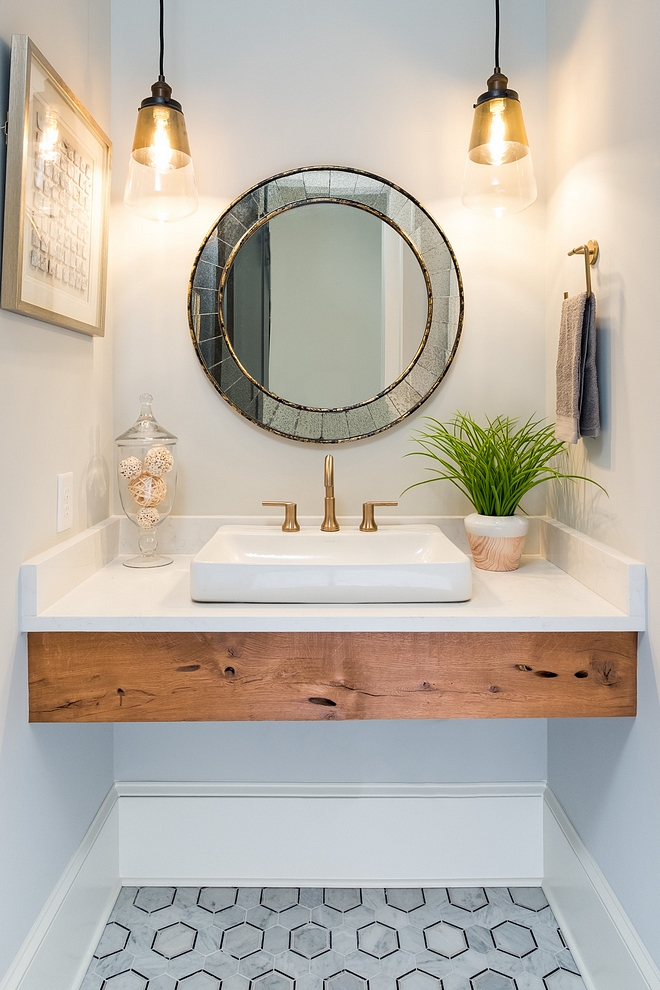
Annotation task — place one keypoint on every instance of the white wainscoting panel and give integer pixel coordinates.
(330, 834)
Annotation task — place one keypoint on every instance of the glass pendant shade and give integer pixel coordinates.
(499, 174)
(161, 180)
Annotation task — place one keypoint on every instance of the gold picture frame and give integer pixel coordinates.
(55, 243)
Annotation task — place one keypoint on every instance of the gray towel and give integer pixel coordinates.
(578, 412)
(589, 402)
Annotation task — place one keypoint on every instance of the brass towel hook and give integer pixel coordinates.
(590, 251)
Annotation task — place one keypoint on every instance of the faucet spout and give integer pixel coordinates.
(329, 524)
(329, 474)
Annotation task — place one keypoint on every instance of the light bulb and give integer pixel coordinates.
(496, 147)
(160, 152)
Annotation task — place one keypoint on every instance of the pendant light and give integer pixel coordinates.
(499, 174)
(161, 180)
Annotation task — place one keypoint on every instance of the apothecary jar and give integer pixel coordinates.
(146, 473)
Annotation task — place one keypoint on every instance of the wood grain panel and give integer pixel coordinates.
(191, 676)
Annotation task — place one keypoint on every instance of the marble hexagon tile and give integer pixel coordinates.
(308, 938)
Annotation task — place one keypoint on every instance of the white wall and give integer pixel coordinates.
(269, 85)
(55, 410)
(604, 177)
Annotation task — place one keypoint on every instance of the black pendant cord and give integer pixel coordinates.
(162, 39)
(161, 93)
(497, 35)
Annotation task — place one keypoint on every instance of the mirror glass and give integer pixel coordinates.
(325, 304)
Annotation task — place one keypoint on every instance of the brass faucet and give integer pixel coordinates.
(329, 524)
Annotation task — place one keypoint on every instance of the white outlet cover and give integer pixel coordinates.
(64, 501)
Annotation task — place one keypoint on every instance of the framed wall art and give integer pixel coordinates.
(54, 262)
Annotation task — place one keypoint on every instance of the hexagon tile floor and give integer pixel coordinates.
(308, 938)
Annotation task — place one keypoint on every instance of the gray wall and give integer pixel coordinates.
(336, 752)
(55, 410)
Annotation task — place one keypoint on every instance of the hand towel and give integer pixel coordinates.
(589, 402)
(577, 382)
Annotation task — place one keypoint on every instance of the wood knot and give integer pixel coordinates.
(606, 673)
(229, 672)
(494, 689)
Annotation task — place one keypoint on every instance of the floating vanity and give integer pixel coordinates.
(557, 638)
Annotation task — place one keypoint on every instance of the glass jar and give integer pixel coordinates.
(146, 473)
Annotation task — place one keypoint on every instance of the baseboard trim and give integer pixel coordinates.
(351, 881)
(214, 789)
(58, 948)
(606, 947)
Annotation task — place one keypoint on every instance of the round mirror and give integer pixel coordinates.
(325, 304)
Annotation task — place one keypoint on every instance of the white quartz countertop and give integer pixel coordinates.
(537, 597)
(569, 583)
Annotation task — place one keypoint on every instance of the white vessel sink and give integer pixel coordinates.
(395, 564)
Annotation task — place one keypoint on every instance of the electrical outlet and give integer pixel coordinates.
(64, 501)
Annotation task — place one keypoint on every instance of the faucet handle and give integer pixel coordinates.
(290, 524)
(368, 524)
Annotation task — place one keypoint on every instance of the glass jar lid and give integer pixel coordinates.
(146, 429)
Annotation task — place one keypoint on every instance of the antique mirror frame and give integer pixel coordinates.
(350, 187)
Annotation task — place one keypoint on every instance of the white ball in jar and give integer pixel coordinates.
(130, 467)
(148, 518)
(158, 461)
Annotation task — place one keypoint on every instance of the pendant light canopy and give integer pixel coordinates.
(161, 180)
(499, 174)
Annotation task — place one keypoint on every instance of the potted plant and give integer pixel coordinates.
(494, 466)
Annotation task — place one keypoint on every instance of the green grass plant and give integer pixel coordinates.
(493, 465)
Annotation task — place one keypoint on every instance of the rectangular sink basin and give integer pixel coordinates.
(395, 564)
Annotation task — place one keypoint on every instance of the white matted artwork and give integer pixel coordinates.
(56, 203)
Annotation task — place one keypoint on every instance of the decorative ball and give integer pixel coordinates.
(148, 518)
(158, 461)
(130, 468)
(147, 490)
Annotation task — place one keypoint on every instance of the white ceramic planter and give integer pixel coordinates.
(496, 541)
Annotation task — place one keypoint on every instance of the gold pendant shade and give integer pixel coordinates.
(499, 174)
(161, 181)
(498, 133)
